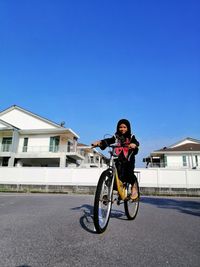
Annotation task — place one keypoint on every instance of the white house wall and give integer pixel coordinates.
(177, 160)
(40, 143)
(23, 120)
(37, 143)
(174, 161)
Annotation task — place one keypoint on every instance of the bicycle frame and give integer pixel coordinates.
(104, 195)
(121, 187)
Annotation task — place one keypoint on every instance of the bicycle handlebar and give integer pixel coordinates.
(117, 145)
(111, 145)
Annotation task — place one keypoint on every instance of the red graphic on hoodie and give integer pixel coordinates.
(121, 149)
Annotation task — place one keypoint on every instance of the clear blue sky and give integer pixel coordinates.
(90, 63)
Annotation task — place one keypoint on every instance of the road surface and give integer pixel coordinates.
(57, 230)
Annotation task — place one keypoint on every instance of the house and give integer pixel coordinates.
(27, 139)
(92, 157)
(183, 154)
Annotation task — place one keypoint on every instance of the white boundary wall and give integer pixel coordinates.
(170, 178)
(152, 177)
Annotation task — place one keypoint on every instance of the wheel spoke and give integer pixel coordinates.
(103, 202)
(131, 206)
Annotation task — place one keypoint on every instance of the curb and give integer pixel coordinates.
(81, 189)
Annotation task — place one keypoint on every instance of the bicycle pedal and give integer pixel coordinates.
(118, 202)
(115, 199)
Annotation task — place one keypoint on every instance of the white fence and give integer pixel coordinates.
(158, 177)
(170, 178)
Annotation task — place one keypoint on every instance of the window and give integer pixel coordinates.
(6, 144)
(165, 161)
(25, 145)
(196, 160)
(92, 159)
(5, 161)
(70, 146)
(184, 161)
(54, 143)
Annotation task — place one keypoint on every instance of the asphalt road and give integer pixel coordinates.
(57, 230)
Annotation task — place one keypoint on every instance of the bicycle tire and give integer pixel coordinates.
(131, 207)
(103, 201)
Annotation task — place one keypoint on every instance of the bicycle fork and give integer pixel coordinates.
(110, 183)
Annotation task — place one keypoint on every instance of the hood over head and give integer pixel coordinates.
(127, 123)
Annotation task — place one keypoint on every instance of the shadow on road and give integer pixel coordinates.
(86, 220)
(184, 206)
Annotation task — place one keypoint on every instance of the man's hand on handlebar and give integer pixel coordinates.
(96, 144)
(132, 146)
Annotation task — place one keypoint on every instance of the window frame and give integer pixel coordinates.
(184, 160)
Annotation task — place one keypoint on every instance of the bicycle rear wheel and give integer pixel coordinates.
(131, 206)
(103, 201)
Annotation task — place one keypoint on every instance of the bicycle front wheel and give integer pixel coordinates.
(103, 201)
(131, 206)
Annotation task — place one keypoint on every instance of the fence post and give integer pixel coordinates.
(186, 178)
(158, 177)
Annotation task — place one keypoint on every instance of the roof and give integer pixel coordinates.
(85, 147)
(186, 140)
(185, 147)
(30, 113)
(80, 144)
(58, 127)
(48, 131)
(89, 149)
(7, 125)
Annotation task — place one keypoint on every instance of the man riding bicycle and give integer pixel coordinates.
(127, 148)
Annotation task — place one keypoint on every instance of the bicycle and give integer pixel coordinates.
(104, 195)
